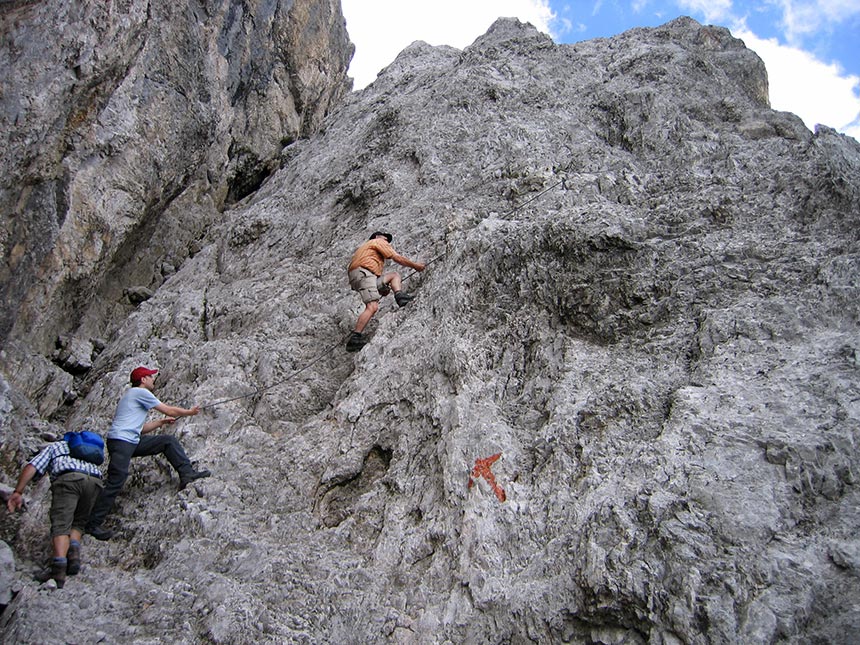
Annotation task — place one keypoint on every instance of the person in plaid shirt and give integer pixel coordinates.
(75, 484)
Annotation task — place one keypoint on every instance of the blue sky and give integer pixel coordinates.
(811, 48)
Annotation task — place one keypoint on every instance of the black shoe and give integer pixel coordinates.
(195, 474)
(74, 558)
(402, 299)
(100, 533)
(356, 342)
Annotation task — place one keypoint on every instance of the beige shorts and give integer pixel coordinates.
(369, 286)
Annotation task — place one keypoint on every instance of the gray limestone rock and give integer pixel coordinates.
(128, 127)
(622, 407)
(7, 570)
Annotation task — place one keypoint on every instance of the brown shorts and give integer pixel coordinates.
(72, 498)
(369, 286)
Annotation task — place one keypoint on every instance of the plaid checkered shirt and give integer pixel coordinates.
(55, 460)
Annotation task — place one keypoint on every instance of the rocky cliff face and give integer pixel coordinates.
(642, 297)
(127, 128)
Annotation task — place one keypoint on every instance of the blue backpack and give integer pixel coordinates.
(86, 445)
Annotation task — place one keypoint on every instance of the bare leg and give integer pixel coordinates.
(393, 280)
(61, 545)
(370, 310)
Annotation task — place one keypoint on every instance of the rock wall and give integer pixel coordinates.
(639, 316)
(128, 127)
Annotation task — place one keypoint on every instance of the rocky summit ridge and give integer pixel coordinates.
(640, 316)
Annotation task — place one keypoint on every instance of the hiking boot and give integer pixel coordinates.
(194, 474)
(402, 299)
(356, 342)
(74, 558)
(57, 571)
(100, 533)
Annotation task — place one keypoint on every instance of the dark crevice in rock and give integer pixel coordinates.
(338, 501)
(249, 173)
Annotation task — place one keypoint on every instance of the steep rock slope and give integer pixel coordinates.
(642, 294)
(126, 128)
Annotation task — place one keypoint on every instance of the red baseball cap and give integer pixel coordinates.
(138, 373)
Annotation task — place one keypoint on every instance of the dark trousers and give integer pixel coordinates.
(121, 454)
(72, 496)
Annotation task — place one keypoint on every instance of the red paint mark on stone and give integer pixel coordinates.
(482, 469)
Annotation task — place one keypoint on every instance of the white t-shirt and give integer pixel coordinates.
(131, 414)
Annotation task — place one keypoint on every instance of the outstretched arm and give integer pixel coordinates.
(172, 411)
(418, 266)
(149, 426)
(176, 411)
(16, 499)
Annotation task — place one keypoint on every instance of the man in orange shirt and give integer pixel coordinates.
(366, 277)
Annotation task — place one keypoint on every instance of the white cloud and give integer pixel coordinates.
(815, 91)
(839, 9)
(381, 29)
(803, 17)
